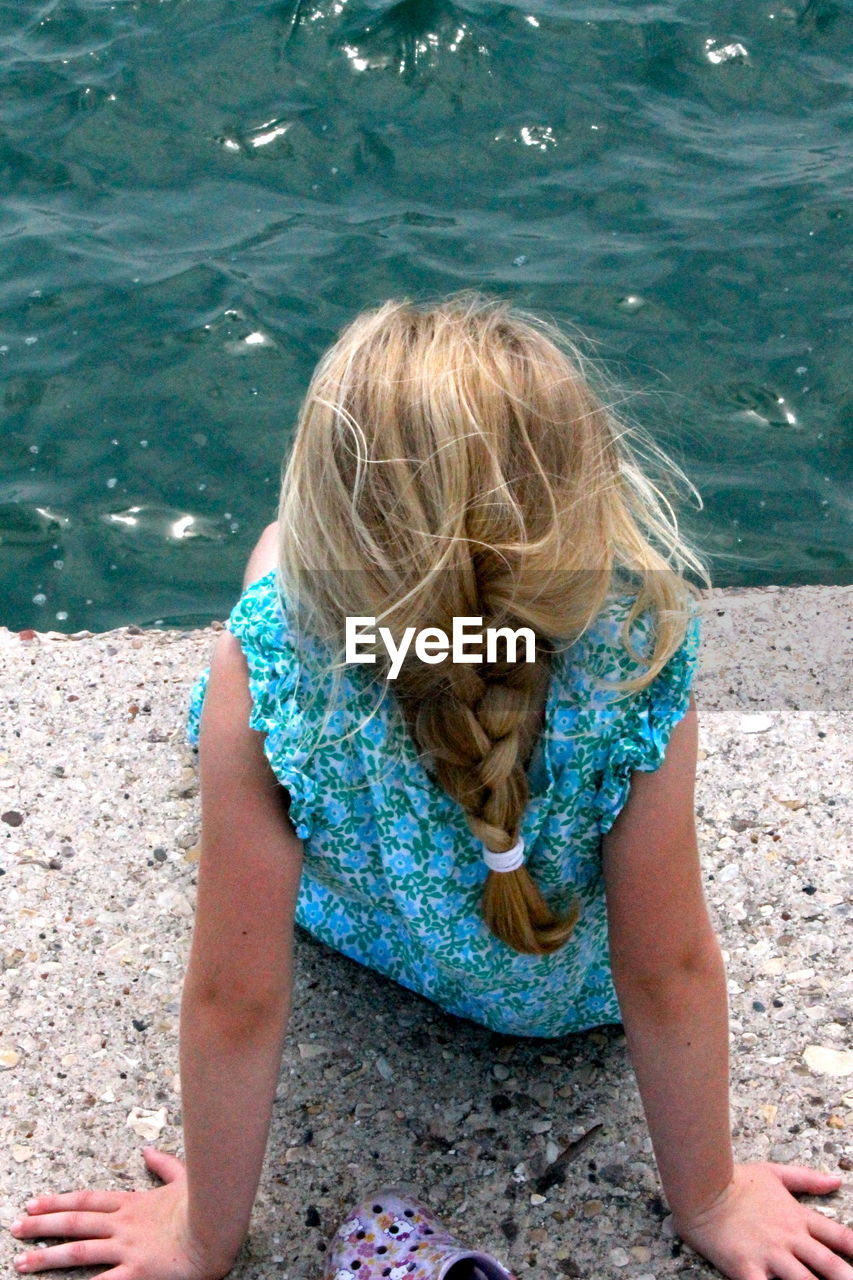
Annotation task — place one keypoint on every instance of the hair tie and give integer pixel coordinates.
(511, 860)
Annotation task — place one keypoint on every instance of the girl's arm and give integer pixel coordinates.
(669, 974)
(237, 991)
(670, 980)
(236, 1001)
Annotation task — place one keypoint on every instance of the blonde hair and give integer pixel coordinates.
(453, 459)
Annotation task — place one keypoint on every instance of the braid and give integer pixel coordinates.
(478, 727)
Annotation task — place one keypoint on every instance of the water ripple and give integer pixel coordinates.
(194, 199)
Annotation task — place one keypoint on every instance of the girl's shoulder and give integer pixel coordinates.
(600, 654)
(260, 619)
(634, 727)
(258, 609)
(596, 659)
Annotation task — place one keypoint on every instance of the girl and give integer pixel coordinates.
(512, 838)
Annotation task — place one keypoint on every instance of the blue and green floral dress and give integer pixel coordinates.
(392, 873)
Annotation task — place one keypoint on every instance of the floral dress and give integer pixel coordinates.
(392, 875)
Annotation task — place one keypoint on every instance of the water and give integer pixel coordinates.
(196, 195)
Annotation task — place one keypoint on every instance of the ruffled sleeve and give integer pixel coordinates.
(641, 731)
(275, 672)
(194, 707)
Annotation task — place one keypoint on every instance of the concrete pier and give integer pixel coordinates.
(98, 836)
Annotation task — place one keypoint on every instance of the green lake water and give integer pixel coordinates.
(196, 195)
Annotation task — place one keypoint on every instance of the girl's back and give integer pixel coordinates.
(393, 876)
(453, 462)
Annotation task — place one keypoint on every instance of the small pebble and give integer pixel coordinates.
(147, 1124)
(542, 1093)
(307, 1052)
(754, 724)
(825, 1061)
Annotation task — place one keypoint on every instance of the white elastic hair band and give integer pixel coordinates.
(509, 861)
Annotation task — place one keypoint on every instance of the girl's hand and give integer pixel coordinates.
(143, 1234)
(756, 1229)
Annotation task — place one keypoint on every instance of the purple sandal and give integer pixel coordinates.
(391, 1236)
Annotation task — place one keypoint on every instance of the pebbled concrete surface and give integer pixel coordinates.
(98, 828)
